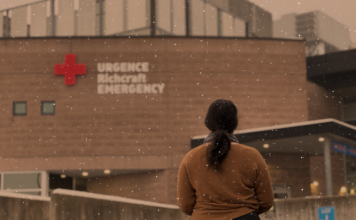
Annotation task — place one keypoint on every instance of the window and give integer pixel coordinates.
(32, 183)
(47, 108)
(20, 108)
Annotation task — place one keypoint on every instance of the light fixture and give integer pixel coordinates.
(315, 183)
(107, 171)
(321, 139)
(85, 174)
(63, 176)
(343, 189)
(265, 146)
(352, 191)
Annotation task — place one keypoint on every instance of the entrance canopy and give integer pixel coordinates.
(303, 136)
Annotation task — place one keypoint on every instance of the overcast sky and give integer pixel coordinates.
(342, 10)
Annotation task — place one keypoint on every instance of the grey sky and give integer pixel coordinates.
(342, 10)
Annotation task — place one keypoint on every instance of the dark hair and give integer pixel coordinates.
(221, 119)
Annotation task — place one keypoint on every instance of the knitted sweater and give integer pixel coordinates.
(243, 184)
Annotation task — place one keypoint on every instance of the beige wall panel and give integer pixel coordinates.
(137, 16)
(227, 24)
(211, 20)
(38, 20)
(196, 15)
(65, 18)
(19, 22)
(178, 16)
(239, 28)
(163, 15)
(114, 17)
(1, 22)
(86, 18)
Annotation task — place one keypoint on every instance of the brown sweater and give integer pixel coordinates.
(242, 186)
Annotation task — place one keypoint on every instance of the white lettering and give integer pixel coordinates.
(116, 67)
(161, 87)
(100, 89)
(117, 78)
(138, 67)
(147, 88)
(139, 88)
(153, 88)
(123, 67)
(101, 78)
(109, 89)
(132, 88)
(145, 67)
(131, 67)
(124, 89)
(117, 88)
(101, 67)
(134, 79)
(111, 79)
(108, 67)
(123, 78)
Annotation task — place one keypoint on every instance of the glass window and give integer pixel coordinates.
(22, 181)
(48, 108)
(20, 108)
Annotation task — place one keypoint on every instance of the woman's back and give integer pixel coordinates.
(242, 185)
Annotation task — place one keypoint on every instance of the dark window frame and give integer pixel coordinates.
(54, 107)
(13, 108)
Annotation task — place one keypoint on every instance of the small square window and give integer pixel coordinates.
(47, 108)
(20, 108)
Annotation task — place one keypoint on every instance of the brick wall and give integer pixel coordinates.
(90, 131)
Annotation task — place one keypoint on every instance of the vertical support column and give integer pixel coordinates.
(328, 168)
(187, 18)
(7, 24)
(53, 19)
(153, 18)
(246, 29)
(101, 17)
(44, 183)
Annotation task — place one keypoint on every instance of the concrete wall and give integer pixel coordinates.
(307, 208)
(23, 207)
(67, 204)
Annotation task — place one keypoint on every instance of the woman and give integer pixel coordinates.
(222, 179)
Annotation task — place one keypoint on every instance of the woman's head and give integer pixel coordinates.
(221, 119)
(222, 114)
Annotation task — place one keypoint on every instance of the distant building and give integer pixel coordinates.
(322, 33)
(259, 20)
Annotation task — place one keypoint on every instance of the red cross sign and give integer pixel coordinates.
(69, 69)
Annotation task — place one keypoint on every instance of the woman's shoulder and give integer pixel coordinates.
(201, 149)
(246, 149)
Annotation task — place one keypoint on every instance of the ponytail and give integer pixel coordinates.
(221, 120)
(218, 148)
